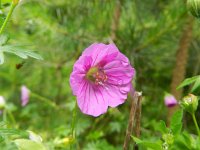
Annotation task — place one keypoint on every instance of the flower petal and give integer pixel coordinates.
(115, 95)
(79, 72)
(25, 93)
(91, 101)
(99, 52)
(118, 74)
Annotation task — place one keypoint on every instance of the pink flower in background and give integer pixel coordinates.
(101, 77)
(170, 101)
(25, 93)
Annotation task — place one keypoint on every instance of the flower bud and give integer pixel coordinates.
(190, 103)
(25, 94)
(170, 101)
(2, 102)
(194, 7)
(168, 138)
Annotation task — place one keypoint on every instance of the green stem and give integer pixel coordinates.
(5, 115)
(11, 117)
(196, 125)
(73, 124)
(43, 99)
(13, 5)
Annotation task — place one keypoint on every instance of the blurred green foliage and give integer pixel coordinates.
(148, 33)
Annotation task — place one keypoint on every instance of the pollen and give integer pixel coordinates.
(97, 76)
(100, 77)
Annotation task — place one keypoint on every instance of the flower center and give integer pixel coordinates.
(96, 75)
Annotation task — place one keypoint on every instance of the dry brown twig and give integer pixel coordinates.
(135, 115)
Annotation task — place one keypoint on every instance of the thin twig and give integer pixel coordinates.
(138, 118)
(131, 120)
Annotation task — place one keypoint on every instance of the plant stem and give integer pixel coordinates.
(13, 5)
(196, 125)
(43, 99)
(129, 130)
(5, 116)
(73, 124)
(11, 117)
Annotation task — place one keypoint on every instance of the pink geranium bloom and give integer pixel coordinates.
(25, 93)
(170, 101)
(101, 77)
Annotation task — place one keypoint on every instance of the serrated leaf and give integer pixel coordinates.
(176, 122)
(147, 144)
(176, 129)
(196, 84)
(34, 55)
(1, 58)
(188, 81)
(154, 146)
(136, 139)
(20, 51)
(24, 144)
(3, 39)
(162, 127)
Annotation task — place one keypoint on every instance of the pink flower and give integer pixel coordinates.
(170, 101)
(25, 93)
(101, 77)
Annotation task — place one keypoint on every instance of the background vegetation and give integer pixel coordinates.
(149, 33)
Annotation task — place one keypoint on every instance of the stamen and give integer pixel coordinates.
(97, 76)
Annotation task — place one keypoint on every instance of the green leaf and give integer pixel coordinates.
(4, 131)
(1, 138)
(136, 139)
(34, 55)
(2, 123)
(154, 146)
(188, 81)
(3, 39)
(147, 144)
(24, 144)
(20, 51)
(196, 84)
(176, 121)
(1, 57)
(6, 1)
(162, 127)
